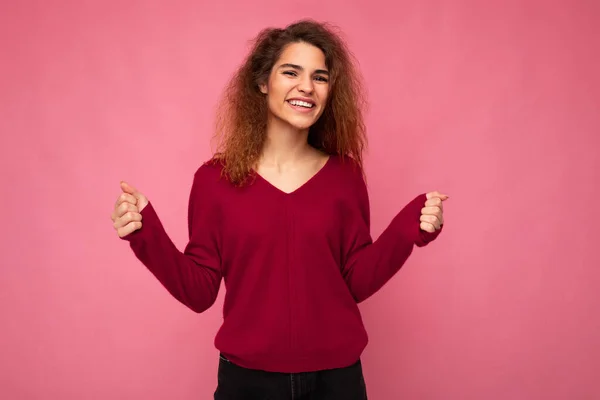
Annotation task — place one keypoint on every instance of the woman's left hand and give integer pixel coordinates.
(432, 214)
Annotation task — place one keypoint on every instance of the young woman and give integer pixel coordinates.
(281, 214)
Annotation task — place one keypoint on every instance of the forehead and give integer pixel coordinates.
(303, 54)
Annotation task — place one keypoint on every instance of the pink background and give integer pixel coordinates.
(494, 103)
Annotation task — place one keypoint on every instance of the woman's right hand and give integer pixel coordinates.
(126, 215)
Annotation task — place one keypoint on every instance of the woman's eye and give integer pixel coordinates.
(318, 77)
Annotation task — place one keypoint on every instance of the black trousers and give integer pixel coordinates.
(238, 383)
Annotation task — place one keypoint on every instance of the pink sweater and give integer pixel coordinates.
(294, 265)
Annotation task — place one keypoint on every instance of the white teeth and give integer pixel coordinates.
(301, 103)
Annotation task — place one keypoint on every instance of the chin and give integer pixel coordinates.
(302, 122)
(301, 125)
(296, 121)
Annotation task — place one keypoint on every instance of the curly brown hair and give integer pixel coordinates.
(241, 120)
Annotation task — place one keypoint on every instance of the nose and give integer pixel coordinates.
(306, 85)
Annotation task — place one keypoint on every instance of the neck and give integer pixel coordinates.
(285, 144)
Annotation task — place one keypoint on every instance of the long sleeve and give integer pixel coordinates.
(193, 276)
(369, 265)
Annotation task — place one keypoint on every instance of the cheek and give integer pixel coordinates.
(324, 94)
(277, 93)
(274, 102)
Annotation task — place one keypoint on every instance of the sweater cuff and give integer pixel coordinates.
(149, 222)
(427, 237)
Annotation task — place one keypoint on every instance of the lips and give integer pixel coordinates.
(301, 103)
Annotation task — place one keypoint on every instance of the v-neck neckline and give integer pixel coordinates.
(303, 185)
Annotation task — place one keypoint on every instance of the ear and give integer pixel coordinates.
(263, 88)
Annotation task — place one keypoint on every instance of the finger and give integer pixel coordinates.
(119, 209)
(432, 210)
(128, 217)
(434, 202)
(436, 194)
(427, 227)
(431, 219)
(129, 228)
(124, 208)
(125, 197)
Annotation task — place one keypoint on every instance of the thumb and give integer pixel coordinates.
(127, 188)
(141, 200)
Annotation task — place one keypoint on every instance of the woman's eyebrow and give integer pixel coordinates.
(300, 68)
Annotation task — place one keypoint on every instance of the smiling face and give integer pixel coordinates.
(298, 86)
